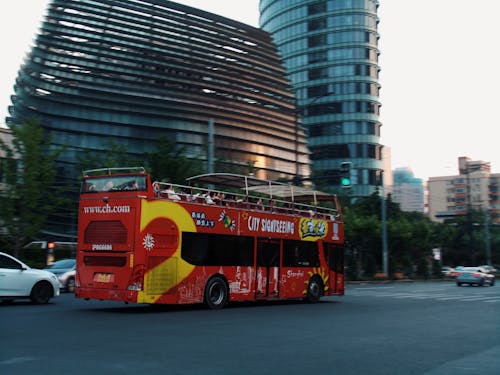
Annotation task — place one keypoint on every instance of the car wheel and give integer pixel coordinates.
(41, 292)
(70, 285)
(216, 293)
(481, 283)
(492, 282)
(459, 284)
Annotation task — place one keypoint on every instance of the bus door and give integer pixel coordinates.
(267, 272)
(334, 255)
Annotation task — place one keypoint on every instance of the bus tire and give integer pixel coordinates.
(216, 293)
(41, 293)
(314, 289)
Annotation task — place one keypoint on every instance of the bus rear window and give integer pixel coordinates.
(114, 183)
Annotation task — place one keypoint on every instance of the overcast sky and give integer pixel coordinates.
(439, 74)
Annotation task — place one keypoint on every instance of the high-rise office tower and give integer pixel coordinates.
(128, 72)
(330, 51)
(408, 190)
(133, 71)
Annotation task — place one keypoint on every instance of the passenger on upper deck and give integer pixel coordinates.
(109, 185)
(208, 198)
(132, 186)
(170, 193)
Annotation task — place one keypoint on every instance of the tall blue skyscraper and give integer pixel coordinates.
(330, 51)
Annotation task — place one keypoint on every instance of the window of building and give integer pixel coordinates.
(316, 24)
(316, 40)
(315, 8)
(316, 91)
(318, 73)
(316, 57)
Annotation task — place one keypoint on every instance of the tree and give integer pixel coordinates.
(115, 155)
(169, 163)
(411, 236)
(29, 193)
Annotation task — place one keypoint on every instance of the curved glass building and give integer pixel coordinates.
(330, 50)
(132, 71)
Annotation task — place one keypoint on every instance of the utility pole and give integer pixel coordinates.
(210, 155)
(385, 250)
(487, 236)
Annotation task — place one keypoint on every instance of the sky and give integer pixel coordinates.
(439, 75)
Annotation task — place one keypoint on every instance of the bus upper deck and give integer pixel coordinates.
(222, 189)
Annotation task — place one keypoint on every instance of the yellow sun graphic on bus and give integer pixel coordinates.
(156, 211)
(321, 273)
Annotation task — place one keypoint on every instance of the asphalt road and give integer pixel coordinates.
(430, 328)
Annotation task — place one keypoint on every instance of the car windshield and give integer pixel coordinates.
(63, 263)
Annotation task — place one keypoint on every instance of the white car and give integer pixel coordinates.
(17, 280)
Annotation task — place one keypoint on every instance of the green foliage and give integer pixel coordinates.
(463, 240)
(409, 234)
(169, 163)
(30, 192)
(115, 155)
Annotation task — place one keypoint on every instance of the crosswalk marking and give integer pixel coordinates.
(444, 294)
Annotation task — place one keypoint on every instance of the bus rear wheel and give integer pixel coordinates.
(216, 293)
(314, 290)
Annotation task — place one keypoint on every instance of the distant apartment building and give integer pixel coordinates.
(407, 190)
(474, 188)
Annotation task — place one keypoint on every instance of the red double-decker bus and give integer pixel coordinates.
(241, 239)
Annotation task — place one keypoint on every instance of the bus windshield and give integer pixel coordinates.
(114, 183)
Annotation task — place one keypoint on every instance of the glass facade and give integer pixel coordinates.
(132, 71)
(330, 51)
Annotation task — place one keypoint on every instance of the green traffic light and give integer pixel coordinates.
(345, 181)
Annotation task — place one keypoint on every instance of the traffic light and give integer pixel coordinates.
(345, 174)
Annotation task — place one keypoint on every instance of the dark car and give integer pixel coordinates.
(474, 276)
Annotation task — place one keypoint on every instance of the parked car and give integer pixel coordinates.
(67, 280)
(61, 266)
(64, 269)
(17, 280)
(474, 275)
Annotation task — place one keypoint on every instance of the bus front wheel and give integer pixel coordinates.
(216, 293)
(314, 290)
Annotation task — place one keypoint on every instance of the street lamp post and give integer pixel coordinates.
(298, 111)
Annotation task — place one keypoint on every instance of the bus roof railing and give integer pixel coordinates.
(262, 186)
(111, 171)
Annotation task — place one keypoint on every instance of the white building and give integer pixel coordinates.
(475, 187)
